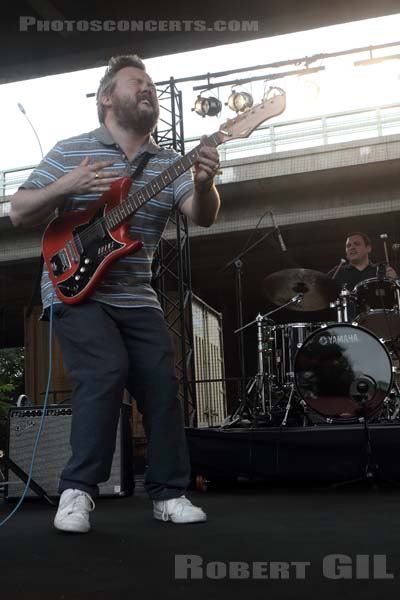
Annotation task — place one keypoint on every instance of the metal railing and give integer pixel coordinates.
(11, 179)
(312, 132)
(298, 134)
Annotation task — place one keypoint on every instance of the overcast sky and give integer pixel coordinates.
(59, 108)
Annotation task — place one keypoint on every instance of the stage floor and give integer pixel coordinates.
(265, 528)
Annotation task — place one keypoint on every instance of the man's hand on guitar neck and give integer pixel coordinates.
(203, 205)
(206, 167)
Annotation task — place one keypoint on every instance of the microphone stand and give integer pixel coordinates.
(370, 474)
(238, 264)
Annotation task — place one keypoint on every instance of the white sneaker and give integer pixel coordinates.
(178, 510)
(73, 511)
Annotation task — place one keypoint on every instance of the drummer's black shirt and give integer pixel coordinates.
(351, 276)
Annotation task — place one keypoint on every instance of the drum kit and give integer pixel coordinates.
(342, 371)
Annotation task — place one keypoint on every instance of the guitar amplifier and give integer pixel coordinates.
(54, 450)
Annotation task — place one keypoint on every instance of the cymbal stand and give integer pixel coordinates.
(297, 299)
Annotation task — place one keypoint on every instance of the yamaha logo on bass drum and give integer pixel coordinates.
(345, 338)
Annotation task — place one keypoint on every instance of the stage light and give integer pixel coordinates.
(209, 107)
(240, 101)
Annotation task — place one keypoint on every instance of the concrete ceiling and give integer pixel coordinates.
(33, 53)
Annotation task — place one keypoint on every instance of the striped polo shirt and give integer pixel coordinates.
(127, 281)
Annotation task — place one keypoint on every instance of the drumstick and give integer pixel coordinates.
(384, 237)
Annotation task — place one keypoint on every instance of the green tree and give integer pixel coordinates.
(11, 383)
(11, 373)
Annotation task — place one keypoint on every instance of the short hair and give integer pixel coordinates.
(364, 236)
(108, 83)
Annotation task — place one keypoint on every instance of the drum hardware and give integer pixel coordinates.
(288, 406)
(248, 406)
(391, 406)
(342, 305)
(395, 403)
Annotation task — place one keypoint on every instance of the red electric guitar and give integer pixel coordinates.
(78, 246)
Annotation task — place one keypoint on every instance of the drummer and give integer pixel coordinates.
(358, 266)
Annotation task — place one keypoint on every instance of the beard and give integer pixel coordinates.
(131, 116)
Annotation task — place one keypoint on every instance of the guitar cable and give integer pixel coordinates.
(39, 432)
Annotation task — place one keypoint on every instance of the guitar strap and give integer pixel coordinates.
(142, 163)
(139, 169)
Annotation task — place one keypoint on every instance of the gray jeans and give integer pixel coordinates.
(106, 349)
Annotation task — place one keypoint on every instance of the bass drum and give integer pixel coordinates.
(343, 372)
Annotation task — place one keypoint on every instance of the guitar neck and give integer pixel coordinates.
(136, 200)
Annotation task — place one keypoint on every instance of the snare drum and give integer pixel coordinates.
(281, 345)
(343, 372)
(378, 307)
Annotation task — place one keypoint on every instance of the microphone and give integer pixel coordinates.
(363, 388)
(396, 247)
(278, 233)
(341, 263)
(22, 109)
(297, 298)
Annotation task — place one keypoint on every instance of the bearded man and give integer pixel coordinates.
(118, 338)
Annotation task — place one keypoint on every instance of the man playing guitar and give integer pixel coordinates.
(116, 336)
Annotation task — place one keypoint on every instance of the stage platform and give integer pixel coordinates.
(130, 555)
(330, 453)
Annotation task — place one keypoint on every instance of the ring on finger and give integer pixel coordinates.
(96, 175)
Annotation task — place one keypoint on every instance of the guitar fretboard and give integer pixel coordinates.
(136, 200)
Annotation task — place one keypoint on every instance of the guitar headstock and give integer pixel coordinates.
(243, 125)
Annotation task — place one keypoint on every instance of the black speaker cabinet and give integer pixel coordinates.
(54, 450)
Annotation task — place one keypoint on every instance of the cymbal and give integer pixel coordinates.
(318, 289)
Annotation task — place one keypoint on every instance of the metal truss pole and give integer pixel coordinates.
(172, 268)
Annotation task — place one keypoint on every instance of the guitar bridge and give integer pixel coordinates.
(60, 262)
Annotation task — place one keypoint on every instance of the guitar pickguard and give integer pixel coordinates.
(92, 244)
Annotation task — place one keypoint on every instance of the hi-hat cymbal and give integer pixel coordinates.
(317, 288)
